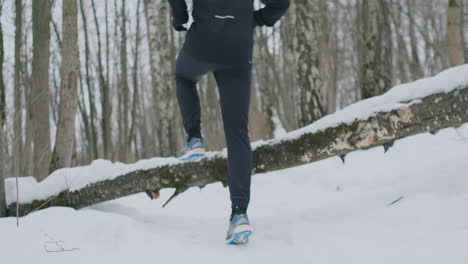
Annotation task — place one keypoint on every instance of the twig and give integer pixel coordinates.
(396, 201)
(178, 191)
(42, 205)
(58, 245)
(61, 248)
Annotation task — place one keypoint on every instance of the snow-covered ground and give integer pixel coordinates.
(324, 212)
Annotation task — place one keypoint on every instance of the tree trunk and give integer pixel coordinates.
(92, 108)
(288, 110)
(3, 207)
(28, 166)
(123, 118)
(2, 124)
(454, 36)
(40, 88)
(309, 81)
(403, 55)
(416, 68)
(62, 154)
(131, 136)
(18, 117)
(375, 63)
(431, 114)
(158, 20)
(463, 27)
(104, 88)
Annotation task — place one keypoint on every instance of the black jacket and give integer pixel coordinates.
(222, 31)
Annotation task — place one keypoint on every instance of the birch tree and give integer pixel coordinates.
(62, 154)
(309, 81)
(2, 124)
(40, 87)
(158, 21)
(104, 87)
(374, 48)
(18, 117)
(454, 36)
(90, 125)
(124, 93)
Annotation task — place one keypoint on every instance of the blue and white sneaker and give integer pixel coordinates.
(239, 230)
(195, 149)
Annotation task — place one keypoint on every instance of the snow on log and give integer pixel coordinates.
(430, 113)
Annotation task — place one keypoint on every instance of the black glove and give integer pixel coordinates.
(257, 19)
(180, 28)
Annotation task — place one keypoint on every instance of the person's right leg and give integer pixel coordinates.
(234, 90)
(188, 73)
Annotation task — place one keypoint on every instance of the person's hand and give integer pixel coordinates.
(180, 28)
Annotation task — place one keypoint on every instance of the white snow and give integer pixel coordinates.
(100, 170)
(323, 212)
(278, 131)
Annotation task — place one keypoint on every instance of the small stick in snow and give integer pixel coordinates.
(396, 201)
(59, 247)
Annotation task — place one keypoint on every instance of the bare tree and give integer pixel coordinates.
(162, 83)
(374, 48)
(309, 81)
(2, 124)
(416, 67)
(28, 155)
(287, 111)
(62, 154)
(104, 85)
(40, 87)
(464, 21)
(92, 133)
(131, 135)
(454, 36)
(18, 120)
(124, 93)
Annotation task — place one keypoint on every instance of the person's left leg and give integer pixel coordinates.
(188, 72)
(234, 90)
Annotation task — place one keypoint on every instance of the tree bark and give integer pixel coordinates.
(104, 85)
(94, 153)
(3, 207)
(62, 154)
(135, 102)
(124, 94)
(431, 114)
(18, 117)
(2, 124)
(310, 82)
(288, 110)
(454, 36)
(157, 15)
(28, 165)
(40, 88)
(375, 48)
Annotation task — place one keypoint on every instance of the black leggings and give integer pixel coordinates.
(234, 92)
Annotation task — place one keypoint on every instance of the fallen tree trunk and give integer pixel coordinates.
(430, 114)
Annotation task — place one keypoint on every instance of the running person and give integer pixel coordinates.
(220, 40)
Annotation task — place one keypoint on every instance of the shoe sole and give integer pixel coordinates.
(193, 154)
(241, 235)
